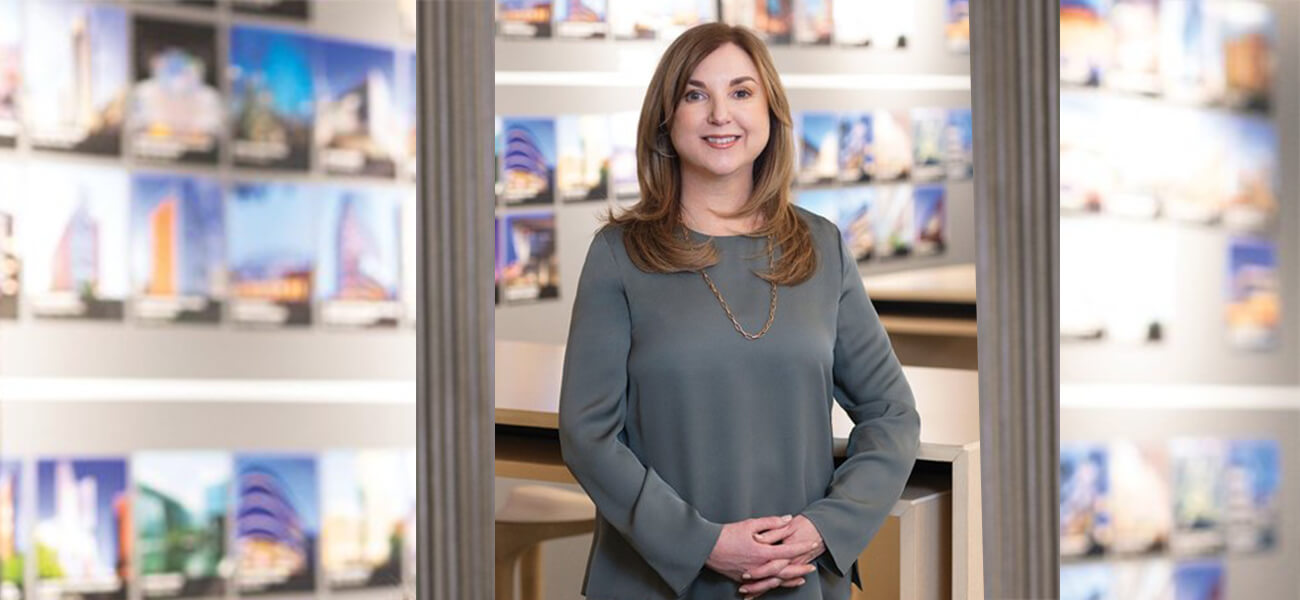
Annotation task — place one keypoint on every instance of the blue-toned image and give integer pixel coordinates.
(1254, 482)
(271, 252)
(530, 269)
(277, 523)
(407, 107)
(358, 258)
(528, 161)
(177, 248)
(928, 126)
(855, 147)
(930, 216)
(824, 202)
(358, 131)
(81, 527)
(1200, 580)
(299, 10)
(272, 97)
(959, 145)
(1085, 493)
(818, 147)
(76, 76)
(1254, 294)
(814, 24)
(856, 221)
(1087, 582)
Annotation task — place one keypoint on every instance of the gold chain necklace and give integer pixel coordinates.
(771, 313)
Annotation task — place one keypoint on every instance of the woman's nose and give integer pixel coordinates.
(718, 113)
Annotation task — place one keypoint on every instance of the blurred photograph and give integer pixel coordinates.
(180, 509)
(1085, 498)
(82, 528)
(528, 162)
(277, 523)
(272, 98)
(176, 111)
(582, 171)
(358, 259)
(177, 248)
(76, 77)
(530, 267)
(363, 518)
(357, 130)
(11, 72)
(271, 253)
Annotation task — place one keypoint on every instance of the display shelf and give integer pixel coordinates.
(1190, 398)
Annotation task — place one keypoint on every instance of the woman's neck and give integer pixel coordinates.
(708, 203)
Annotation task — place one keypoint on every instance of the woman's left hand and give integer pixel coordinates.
(781, 573)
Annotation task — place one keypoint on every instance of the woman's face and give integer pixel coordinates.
(721, 124)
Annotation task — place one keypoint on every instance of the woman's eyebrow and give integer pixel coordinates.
(734, 82)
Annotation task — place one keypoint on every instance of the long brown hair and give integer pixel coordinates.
(652, 227)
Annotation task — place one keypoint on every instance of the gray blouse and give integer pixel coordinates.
(674, 424)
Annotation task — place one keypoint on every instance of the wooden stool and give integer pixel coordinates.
(531, 515)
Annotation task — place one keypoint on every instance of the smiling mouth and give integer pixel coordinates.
(722, 141)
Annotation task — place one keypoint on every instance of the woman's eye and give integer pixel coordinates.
(694, 95)
(743, 93)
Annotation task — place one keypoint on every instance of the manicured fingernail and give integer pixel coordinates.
(745, 576)
(786, 517)
(801, 582)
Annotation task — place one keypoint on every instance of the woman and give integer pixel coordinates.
(713, 324)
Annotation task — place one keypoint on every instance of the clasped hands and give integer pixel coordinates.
(765, 553)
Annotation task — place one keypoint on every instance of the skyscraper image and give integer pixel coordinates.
(76, 258)
(162, 241)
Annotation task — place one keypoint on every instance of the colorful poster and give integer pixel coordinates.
(497, 184)
(1199, 495)
(774, 20)
(12, 191)
(813, 24)
(14, 533)
(1141, 519)
(1253, 487)
(358, 256)
(1200, 580)
(741, 12)
(177, 248)
(957, 29)
(677, 16)
(1087, 582)
(11, 75)
(364, 509)
(530, 266)
(272, 98)
(1144, 580)
(1254, 303)
(524, 18)
(581, 19)
(180, 513)
(1085, 40)
(1085, 496)
(856, 221)
(76, 242)
(855, 147)
(76, 77)
(894, 221)
(299, 10)
(928, 145)
(277, 523)
(1247, 45)
(1086, 171)
(1251, 186)
(176, 112)
(529, 160)
(1136, 28)
(891, 145)
(358, 131)
(622, 162)
(582, 170)
(407, 110)
(497, 262)
(930, 214)
(959, 145)
(271, 253)
(82, 533)
(819, 151)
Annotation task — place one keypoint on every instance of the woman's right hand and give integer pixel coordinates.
(737, 552)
